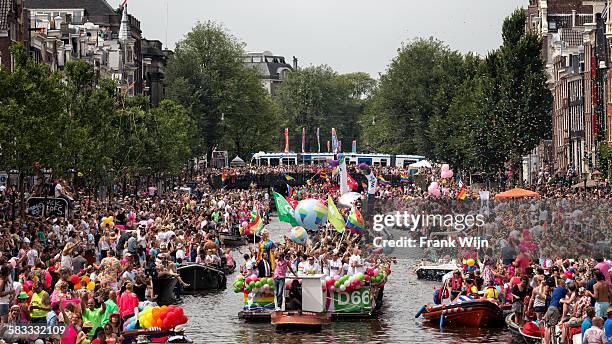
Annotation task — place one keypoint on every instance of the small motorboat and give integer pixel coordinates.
(465, 312)
(202, 277)
(434, 272)
(164, 287)
(532, 333)
(303, 306)
(518, 336)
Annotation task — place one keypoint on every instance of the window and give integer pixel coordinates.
(128, 55)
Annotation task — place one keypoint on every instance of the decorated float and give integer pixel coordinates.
(156, 325)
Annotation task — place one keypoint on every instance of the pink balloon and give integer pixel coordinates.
(435, 192)
(446, 174)
(332, 288)
(445, 167)
(337, 277)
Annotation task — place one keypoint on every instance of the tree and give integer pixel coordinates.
(223, 96)
(319, 97)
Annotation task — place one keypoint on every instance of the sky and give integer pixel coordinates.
(348, 35)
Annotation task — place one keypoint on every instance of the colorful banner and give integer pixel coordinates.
(354, 147)
(286, 140)
(318, 142)
(333, 215)
(284, 209)
(344, 188)
(328, 149)
(303, 138)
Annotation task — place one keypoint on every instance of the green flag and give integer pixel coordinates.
(285, 212)
(333, 215)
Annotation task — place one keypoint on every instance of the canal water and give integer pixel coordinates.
(213, 316)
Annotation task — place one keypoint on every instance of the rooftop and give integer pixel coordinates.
(92, 7)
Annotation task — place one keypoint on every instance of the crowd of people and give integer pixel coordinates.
(90, 270)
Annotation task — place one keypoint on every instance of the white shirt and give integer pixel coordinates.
(355, 270)
(32, 255)
(180, 254)
(335, 267)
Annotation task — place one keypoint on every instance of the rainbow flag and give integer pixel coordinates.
(404, 178)
(462, 192)
(355, 222)
(256, 224)
(323, 175)
(383, 181)
(288, 177)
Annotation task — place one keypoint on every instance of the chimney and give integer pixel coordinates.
(295, 63)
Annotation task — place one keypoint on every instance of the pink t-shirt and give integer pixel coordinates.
(69, 336)
(280, 270)
(594, 335)
(127, 302)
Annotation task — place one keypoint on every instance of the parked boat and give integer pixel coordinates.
(531, 333)
(467, 313)
(434, 272)
(518, 336)
(232, 239)
(300, 320)
(163, 287)
(202, 277)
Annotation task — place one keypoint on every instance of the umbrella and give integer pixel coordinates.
(517, 193)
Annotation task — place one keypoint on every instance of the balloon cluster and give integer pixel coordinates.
(345, 283)
(377, 277)
(164, 317)
(434, 189)
(469, 264)
(107, 222)
(79, 283)
(253, 283)
(446, 172)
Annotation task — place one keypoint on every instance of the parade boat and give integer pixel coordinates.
(434, 272)
(303, 306)
(232, 238)
(202, 277)
(154, 335)
(464, 312)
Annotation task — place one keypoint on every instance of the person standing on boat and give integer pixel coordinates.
(280, 272)
(519, 292)
(264, 268)
(456, 283)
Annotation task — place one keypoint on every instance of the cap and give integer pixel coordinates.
(87, 324)
(23, 295)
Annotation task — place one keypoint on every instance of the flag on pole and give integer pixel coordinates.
(256, 224)
(462, 192)
(354, 147)
(355, 222)
(328, 149)
(123, 3)
(284, 209)
(292, 202)
(333, 215)
(289, 190)
(288, 177)
(303, 139)
(335, 148)
(318, 142)
(323, 175)
(286, 140)
(404, 178)
(382, 181)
